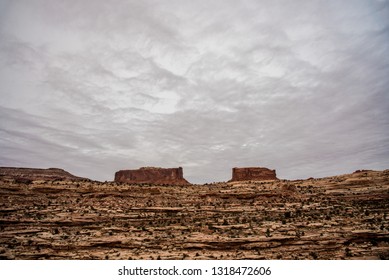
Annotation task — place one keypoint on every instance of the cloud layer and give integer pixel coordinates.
(98, 86)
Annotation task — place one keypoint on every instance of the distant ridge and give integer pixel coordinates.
(34, 174)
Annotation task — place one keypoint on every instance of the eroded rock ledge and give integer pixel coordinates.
(338, 217)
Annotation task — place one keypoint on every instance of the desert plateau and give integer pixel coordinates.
(51, 214)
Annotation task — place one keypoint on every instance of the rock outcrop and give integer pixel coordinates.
(333, 218)
(152, 175)
(26, 175)
(252, 173)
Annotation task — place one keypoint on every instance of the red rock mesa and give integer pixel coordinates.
(152, 175)
(253, 173)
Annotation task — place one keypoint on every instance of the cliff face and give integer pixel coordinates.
(253, 173)
(152, 175)
(33, 174)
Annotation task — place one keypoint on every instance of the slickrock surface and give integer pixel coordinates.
(26, 175)
(152, 175)
(340, 217)
(252, 173)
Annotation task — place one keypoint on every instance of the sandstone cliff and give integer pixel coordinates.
(25, 175)
(253, 173)
(152, 175)
(333, 218)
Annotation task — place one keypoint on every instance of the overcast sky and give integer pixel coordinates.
(98, 86)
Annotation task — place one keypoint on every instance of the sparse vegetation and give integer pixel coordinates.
(92, 220)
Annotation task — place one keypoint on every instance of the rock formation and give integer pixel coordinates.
(333, 218)
(26, 175)
(252, 173)
(152, 175)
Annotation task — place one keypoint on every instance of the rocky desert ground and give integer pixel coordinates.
(340, 217)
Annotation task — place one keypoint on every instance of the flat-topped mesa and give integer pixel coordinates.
(152, 175)
(34, 174)
(252, 173)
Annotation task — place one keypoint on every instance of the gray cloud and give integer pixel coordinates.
(97, 86)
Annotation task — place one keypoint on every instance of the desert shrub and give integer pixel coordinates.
(348, 252)
(313, 255)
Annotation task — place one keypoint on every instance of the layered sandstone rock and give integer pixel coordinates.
(152, 175)
(333, 218)
(26, 175)
(253, 173)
